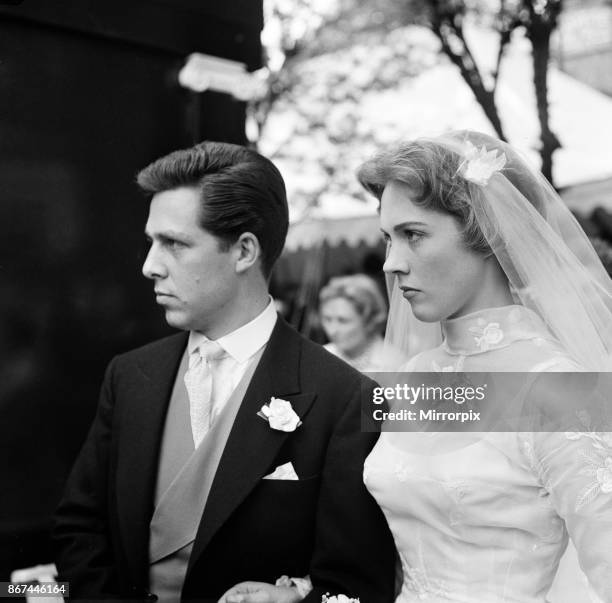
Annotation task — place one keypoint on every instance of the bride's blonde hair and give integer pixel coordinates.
(430, 168)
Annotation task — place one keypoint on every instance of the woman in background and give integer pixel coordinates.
(353, 314)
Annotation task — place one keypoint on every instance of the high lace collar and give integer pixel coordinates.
(491, 329)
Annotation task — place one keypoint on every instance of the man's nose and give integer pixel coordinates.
(153, 267)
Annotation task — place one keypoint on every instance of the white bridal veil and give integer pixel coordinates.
(549, 261)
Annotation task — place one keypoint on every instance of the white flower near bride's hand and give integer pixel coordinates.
(338, 599)
(479, 164)
(280, 415)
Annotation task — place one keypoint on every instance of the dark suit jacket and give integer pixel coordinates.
(326, 524)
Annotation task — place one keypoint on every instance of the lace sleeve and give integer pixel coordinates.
(575, 468)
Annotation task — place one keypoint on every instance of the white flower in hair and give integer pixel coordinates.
(479, 164)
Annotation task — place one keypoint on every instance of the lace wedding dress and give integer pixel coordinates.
(485, 518)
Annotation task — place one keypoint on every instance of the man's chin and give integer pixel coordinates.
(176, 321)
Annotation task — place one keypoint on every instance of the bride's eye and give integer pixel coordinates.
(413, 236)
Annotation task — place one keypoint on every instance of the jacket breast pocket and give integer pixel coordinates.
(284, 490)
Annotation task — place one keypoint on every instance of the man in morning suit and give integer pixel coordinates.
(186, 488)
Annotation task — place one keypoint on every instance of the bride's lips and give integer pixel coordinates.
(409, 292)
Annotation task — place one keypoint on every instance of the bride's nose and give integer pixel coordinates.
(395, 262)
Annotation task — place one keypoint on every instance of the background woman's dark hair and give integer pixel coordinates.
(240, 191)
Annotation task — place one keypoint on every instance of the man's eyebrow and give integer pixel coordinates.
(168, 234)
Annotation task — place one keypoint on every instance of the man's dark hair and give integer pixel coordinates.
(240, 191)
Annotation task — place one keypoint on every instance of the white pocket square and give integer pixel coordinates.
(285, 471)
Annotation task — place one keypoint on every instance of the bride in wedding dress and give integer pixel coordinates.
(482, 250)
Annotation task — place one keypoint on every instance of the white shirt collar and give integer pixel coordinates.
(242, 343)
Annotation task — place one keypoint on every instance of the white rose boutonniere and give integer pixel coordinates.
(280, 415)
(338, 599)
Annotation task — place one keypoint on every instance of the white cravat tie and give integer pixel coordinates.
(199, 384)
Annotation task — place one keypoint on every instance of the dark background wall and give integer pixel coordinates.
(88, 96)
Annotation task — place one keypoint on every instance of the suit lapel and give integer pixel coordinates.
(252, 444)
(142, 424)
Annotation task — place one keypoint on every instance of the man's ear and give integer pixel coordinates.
(248, 251)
